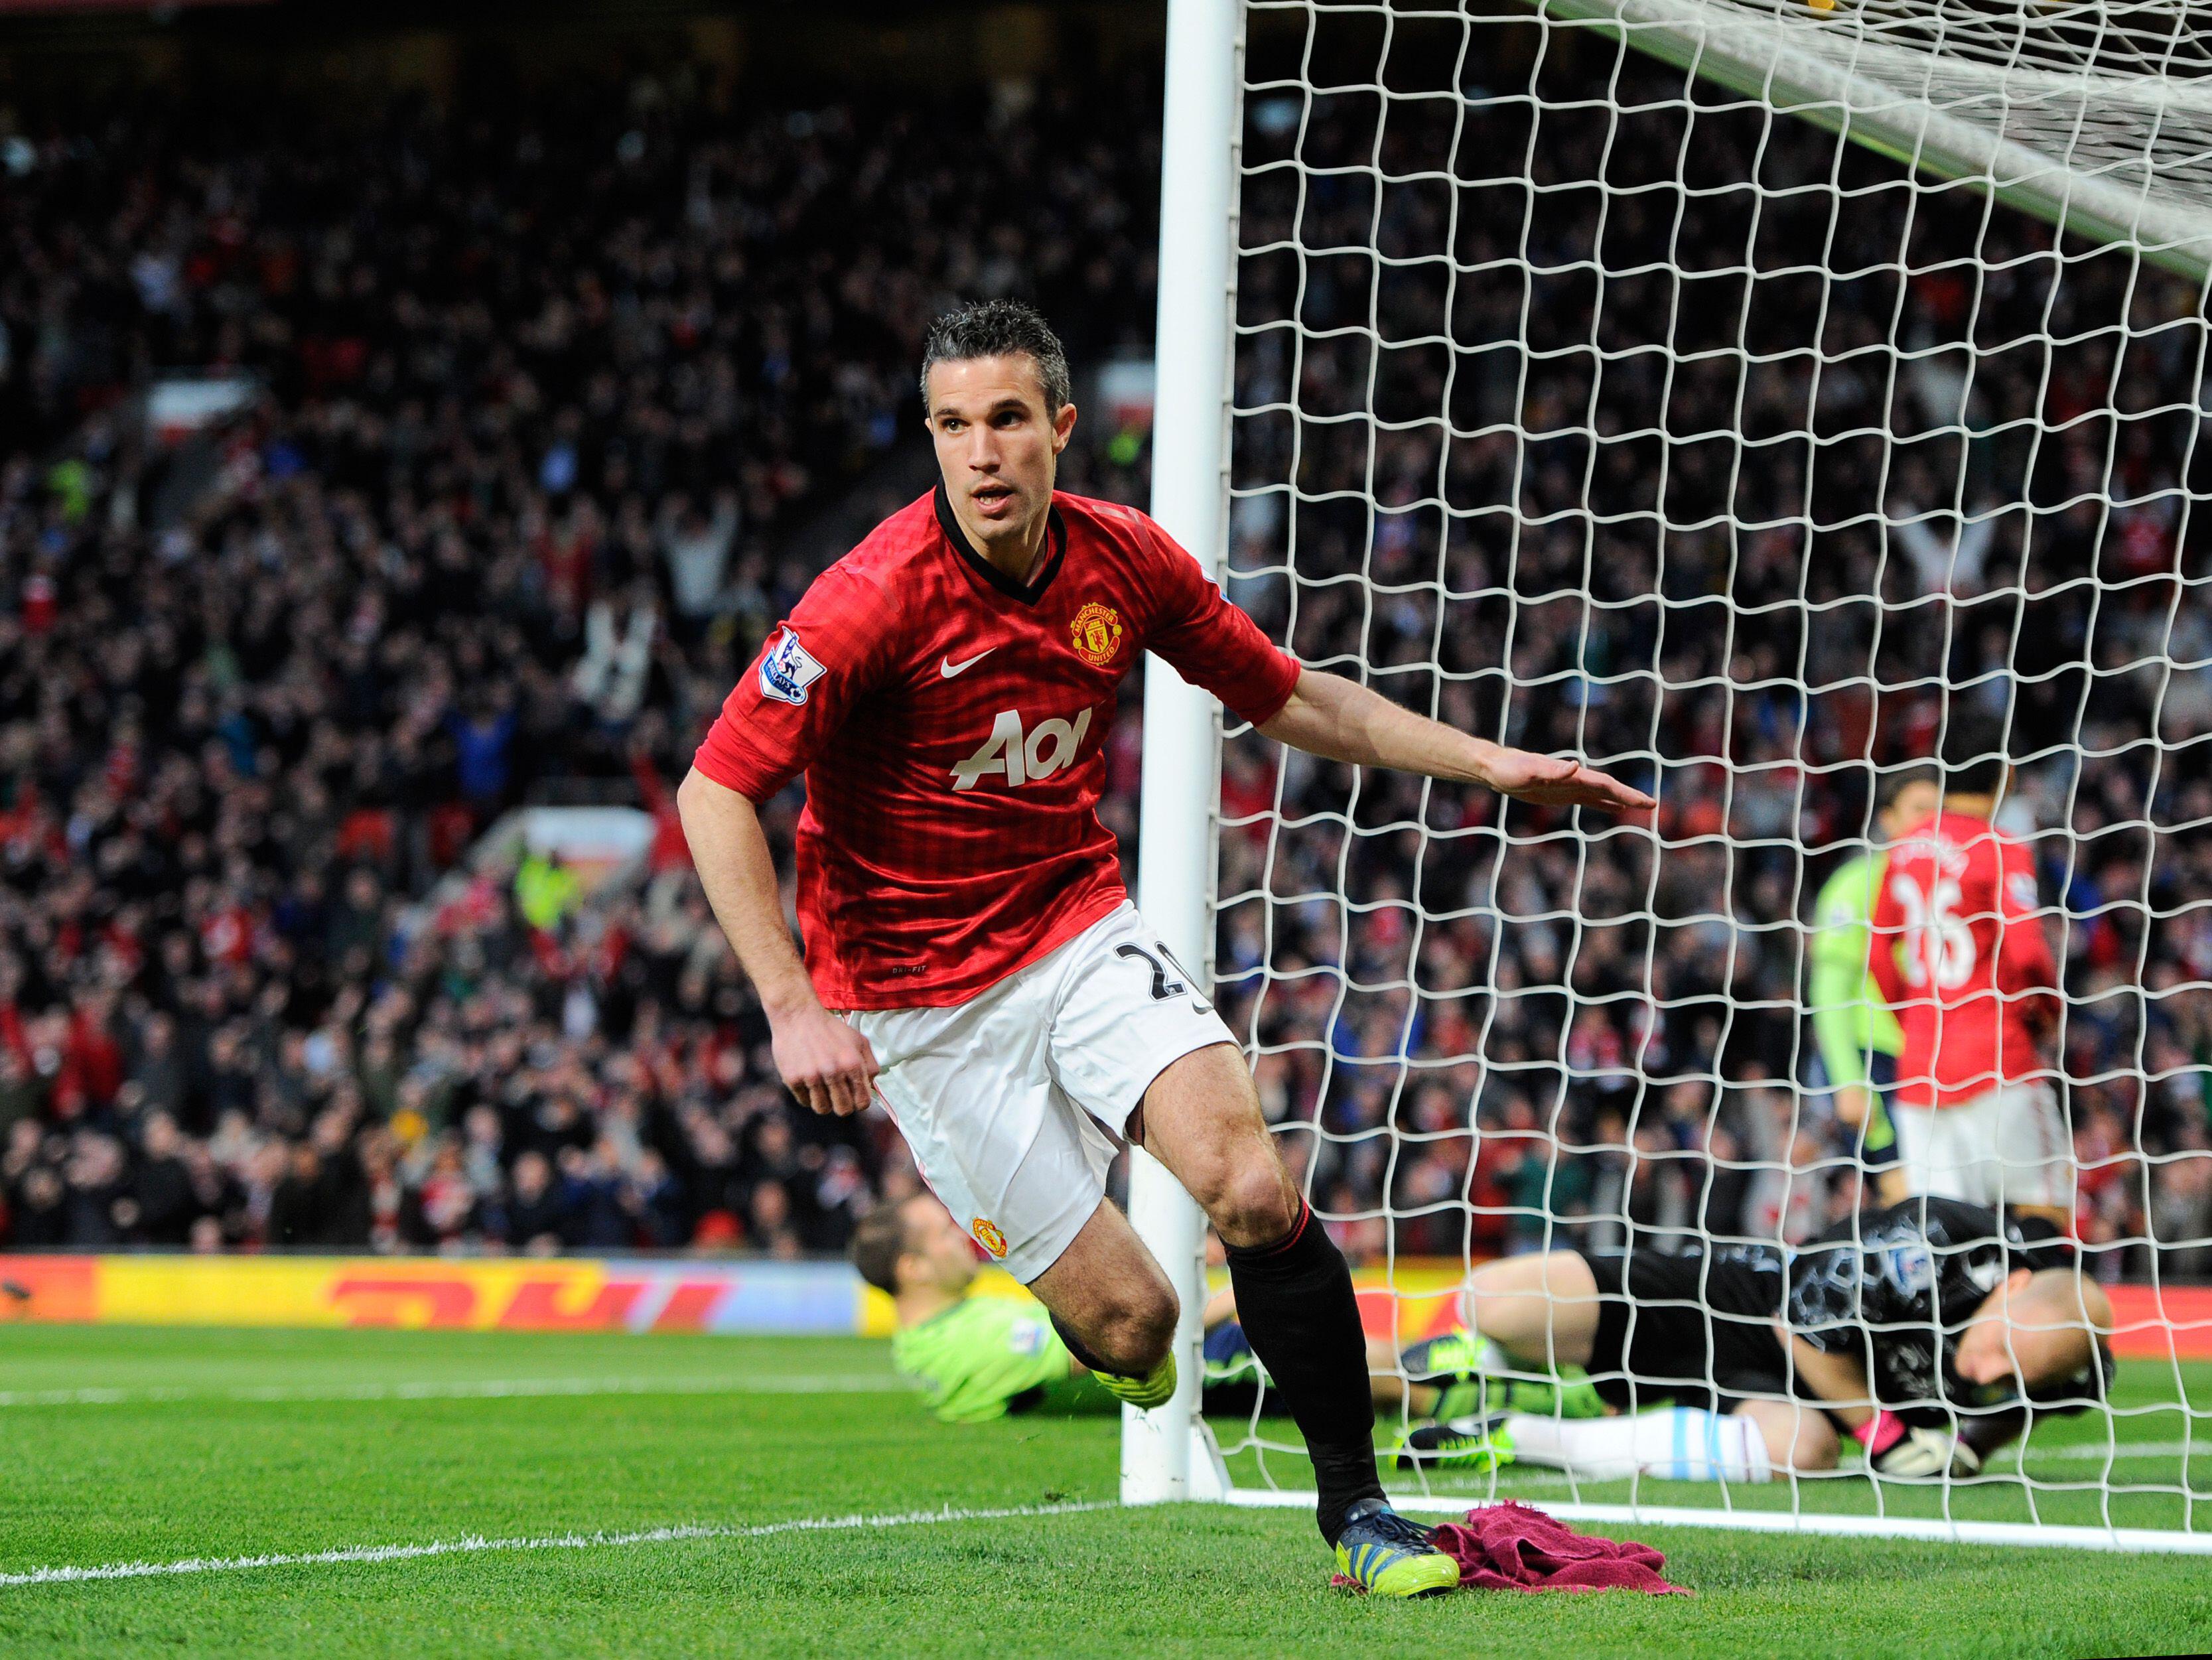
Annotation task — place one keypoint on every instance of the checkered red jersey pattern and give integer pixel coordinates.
(1975, 986)
(952, 723)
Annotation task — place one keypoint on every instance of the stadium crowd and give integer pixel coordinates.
(544, 393)
(547, 391)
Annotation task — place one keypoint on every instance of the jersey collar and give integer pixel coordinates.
(1028, 592)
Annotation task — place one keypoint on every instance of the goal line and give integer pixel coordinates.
(1819, 1524)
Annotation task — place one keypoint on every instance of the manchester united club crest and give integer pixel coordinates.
(1096, 631)
(989, 1237)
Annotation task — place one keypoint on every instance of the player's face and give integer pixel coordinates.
(997, 444)
(1994, 1348)
(1913, 804)
(948, 1260)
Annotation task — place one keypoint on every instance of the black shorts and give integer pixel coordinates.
(1878, 1144)
(1680, 1329)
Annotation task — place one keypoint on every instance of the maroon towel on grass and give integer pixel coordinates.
(1514, 1547)
(1511, 1546)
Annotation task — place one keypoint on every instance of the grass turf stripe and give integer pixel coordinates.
(493, 1389)
(470, 1545)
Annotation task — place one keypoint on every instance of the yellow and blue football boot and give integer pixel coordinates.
(1471, 1377)
(1386, 1555)
(1472, 1443)
(1154, 1388)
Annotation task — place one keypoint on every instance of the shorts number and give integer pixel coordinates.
(1163, 987)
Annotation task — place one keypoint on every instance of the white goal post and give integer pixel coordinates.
(1199, 148)
(1375, 535)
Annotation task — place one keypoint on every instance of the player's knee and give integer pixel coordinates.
(1510, 1321)
(1799, 1440)
(1138, 1328)
(1253, 1203)
(1505, 1301)
(1816, 1448)
(1816, 1459)
(1478, 1307)
(1493, 1281)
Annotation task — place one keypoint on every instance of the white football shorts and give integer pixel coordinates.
(2009, 1146)
(1008, 1098)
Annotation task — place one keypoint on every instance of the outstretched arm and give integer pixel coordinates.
(827, 1065)
(1839, 1380)
(1893, 1447)
(1333, 717)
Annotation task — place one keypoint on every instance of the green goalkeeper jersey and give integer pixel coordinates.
(1849, 1018)
(980, 1359)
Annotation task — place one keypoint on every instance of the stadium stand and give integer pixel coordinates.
(547, 394)
(543, 395)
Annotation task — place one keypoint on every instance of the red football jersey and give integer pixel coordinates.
(952, 723)
(1977, 982)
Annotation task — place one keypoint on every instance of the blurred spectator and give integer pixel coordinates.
(534, 1217)
(161, 1185)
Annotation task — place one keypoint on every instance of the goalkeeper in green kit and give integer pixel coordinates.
(977, 1357)
(1858, 1036)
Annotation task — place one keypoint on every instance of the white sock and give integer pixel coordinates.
(1677, 1444)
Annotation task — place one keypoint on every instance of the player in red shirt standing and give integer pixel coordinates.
(947, 689)
(1975, 995)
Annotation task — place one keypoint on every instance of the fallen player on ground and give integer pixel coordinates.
(1927, 1331)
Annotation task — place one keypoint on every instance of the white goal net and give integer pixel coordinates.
(1595, 392)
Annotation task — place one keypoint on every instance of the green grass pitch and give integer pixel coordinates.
(155, 1446)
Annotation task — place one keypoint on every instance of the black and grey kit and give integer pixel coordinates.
(1896, 1287)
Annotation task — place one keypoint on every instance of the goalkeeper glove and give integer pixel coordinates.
(1905, 1451)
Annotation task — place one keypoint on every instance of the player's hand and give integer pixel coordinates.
(1560, 780)
(824, 1062)
(1925, 1453)
(1907, 1452)
(1850, 1105)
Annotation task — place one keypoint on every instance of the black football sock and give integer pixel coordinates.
(1295, 1301)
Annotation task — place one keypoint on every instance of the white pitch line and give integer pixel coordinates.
(465, 1389)
(1514, 1479)
(474, 1544)
(2090, 1452)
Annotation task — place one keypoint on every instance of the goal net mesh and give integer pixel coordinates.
(2095, 112)
(1594, 407)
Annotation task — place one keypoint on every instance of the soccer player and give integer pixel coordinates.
(1858, 1036)
(971, 954)
(1923, 1331)
(976, 1357)
(1959, 951)
(979, 1358)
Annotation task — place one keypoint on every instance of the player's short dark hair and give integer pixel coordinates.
(1972, 753)
(1894, 784)
(878, 1242)
(999, 328)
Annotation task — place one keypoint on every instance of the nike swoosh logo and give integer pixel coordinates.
(948, 668)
